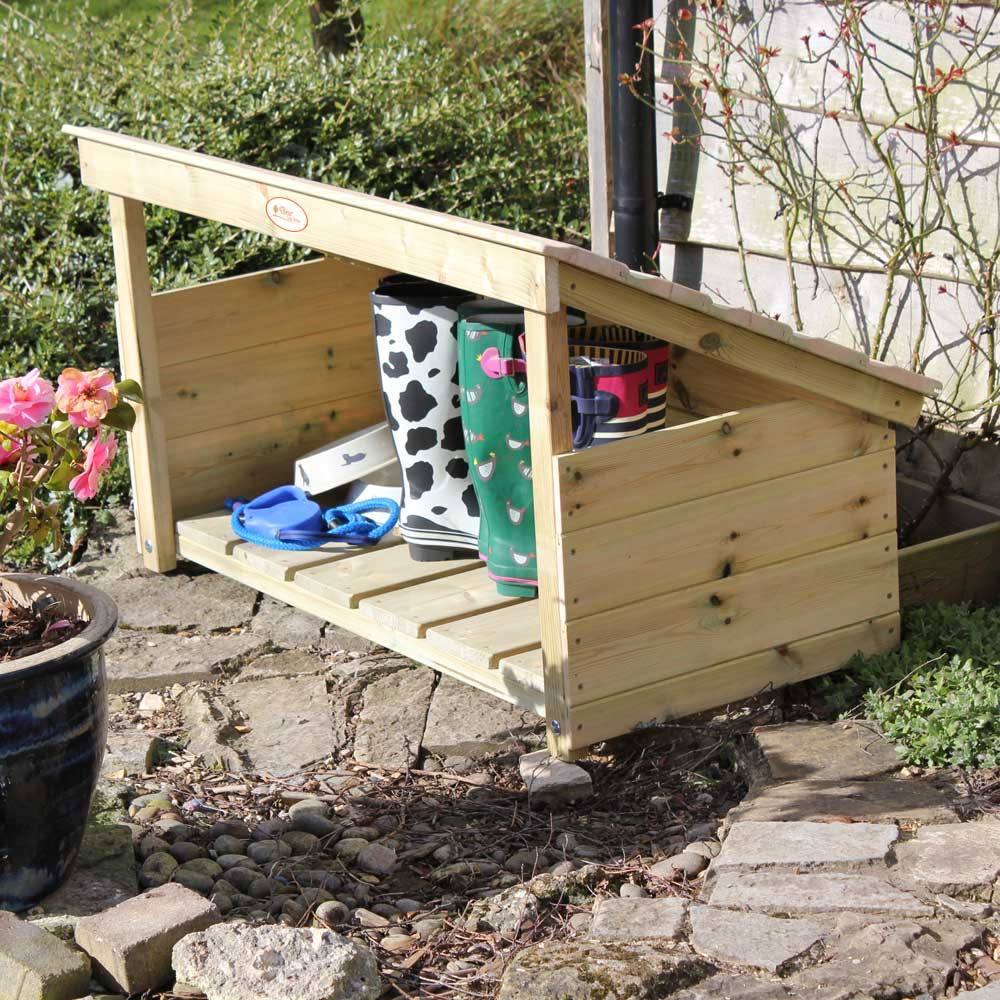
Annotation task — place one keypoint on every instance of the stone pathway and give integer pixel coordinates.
(368, 817)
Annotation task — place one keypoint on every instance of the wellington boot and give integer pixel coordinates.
(415, 343)
(608, 389)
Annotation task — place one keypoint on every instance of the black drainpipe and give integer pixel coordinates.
(633, 136)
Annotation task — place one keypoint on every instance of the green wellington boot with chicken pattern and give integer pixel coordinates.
(494, 402)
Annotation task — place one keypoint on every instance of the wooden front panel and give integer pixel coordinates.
(259, 369)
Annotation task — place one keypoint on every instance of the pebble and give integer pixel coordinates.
(194, 881)
(203, 866)
(397, 942)
(459, 968)
(526, 863)
(185, 851)
(301, 842)
(318, 880)
(310, 807)
(223, 903)
(386, 910)
(148, 799)
(706, 848)
(151, 702)
(443, 854)
(366, 918)
(563, 868)
(227, 861)
(333, 912)
(407, 906)
(362, 833)
(230, 845)
(314, 897)
(349, 848)
(148, 813)
(377, 859)
(631, 891)
(151, 845)
(318, 826)
(229, 828)
(428, 927)
(156, 870)
(261, 888)
(268, 850)
(580, 922)
(242, 878)
(685, 864)
(270, 829)
(566, 842)
(294, 909)
(174, 831)
(586, 851)
(701, 831)
(226, 888)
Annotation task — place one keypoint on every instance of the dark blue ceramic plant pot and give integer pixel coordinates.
(53, 726)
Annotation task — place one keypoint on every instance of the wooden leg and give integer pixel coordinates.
(551, 434)
(140, 361)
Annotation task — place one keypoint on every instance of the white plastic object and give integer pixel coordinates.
(366, 454)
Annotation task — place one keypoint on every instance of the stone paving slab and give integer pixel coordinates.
(616, 919)
(893, 800)
(727, 986)
(843, 751)
(991, 992)
(286, 627)
(464, 722)
(390, 727)
(290, 663)
(751, 940)
(753, 844)
(959, 859)
(36, 965)
(290, 719)
(784, 892)
(148, 661)
(598, 971)
(206, 603)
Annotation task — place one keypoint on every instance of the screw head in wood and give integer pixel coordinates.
(148, 544)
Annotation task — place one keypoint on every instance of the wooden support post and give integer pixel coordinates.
(154, 517)
(595, 34)
(551, 435)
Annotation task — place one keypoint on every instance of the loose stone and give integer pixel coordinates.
(397, 942)
(318, 826)
(151, 845)
(270, 829)
(333, 912)
(563, 868)
(349, 848)
(261, 888)
(526, 863)
(156, 870)
(429, 927)
(242, 877)
(203, 866)
(386, 910)
(301, 842)
(268, 850)
(407, 906)
(227, 861)
(630, 890)
(362, 832)
(686, 864)
(309, 807)
(229, 828)
(230, 845)
(192, 880)
(367, 918)
(186, 851)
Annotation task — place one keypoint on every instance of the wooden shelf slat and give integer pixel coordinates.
(485, 639)
(349, 581)
(413, 610)
(526, 669)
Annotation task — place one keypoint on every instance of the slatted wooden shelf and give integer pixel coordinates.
(445, 614)
(747, 544)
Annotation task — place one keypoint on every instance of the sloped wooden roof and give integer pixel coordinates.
(529, 271)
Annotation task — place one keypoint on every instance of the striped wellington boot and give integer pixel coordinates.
(609, 388)
(415, 343)
(657, 354)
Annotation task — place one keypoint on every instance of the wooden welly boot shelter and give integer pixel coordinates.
(750, 543)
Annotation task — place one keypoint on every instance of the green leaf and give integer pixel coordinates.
(59, 480)
(122, 417)
(128, 388)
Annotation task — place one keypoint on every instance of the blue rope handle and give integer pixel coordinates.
(345, 523)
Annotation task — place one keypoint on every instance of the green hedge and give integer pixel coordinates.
(480, 120)
(496, 137)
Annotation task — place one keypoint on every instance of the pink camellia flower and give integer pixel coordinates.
(26, 401)
(86, 397)
(97, 459)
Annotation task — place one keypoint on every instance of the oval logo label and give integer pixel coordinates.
(287, 214)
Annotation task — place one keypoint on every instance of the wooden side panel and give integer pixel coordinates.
(684, 631)
(706, 457)
(727, 534)
(258, 369)
(730, 681)
(234, 314)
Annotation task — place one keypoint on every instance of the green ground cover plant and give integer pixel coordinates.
(474, 111)
(938, 695)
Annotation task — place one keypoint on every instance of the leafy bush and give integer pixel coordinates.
(938, 695)
(484, 126)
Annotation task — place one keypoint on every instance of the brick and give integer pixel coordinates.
(36, 965)
(131, 943)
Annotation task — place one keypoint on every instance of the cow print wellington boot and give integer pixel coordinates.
(417, 352)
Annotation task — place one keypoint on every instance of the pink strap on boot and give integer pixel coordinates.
(497, 367)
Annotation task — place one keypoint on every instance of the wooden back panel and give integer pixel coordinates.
(258, 369)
